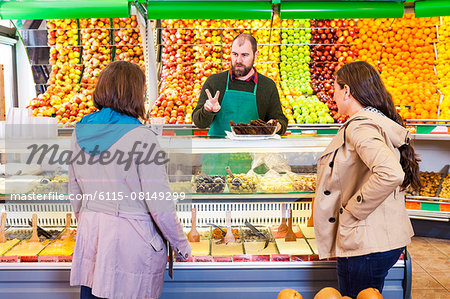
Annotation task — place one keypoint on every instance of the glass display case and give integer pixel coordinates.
(264, 178)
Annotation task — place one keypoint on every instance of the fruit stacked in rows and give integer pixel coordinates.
(66, 71)
(178, 90)
(64, 80)
(285, 106)
(345, 47)
(443, 67)
(413, 66)
(295, 56)
(128, 40)
(309, 110)
(231, 29)
(95, 38)
(371, 39)
(65, 99)
(207, 49)
(324, 61)
(403, 51)
(64, 56)
(62, 32)
(268, 39)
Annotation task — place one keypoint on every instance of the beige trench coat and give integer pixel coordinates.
(359, 208)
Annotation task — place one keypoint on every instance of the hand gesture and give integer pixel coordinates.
(212, 104)
(274, 122)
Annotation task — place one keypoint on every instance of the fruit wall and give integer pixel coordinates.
(300, 55)
(79, 50)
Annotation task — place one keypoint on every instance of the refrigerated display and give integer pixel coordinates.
(191, 50)
(243, 266)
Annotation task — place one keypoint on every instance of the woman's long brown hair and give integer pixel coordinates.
(121, 87)
(368, 89)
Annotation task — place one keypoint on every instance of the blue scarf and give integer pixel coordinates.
(100, 130)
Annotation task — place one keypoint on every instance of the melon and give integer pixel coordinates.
(370, 293)
(328, 293)
(289, 294)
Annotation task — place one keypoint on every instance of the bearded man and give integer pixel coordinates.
(240, 94)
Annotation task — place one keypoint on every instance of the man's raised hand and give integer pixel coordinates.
(212, 104)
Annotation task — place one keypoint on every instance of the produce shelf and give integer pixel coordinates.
(437, 205)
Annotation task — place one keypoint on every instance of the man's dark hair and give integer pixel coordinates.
(241, 38)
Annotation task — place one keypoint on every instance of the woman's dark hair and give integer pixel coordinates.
(368, 89)
(121, 87)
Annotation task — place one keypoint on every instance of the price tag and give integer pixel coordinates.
(189, 260)
(242, 258)
(331, 259)
(223, 259)
(260, 258)
(299, 258)
(8, 259)
(47, 259)
(65, 259)
(280, 258)
(314, 257)
(203, 259)
(29, 259)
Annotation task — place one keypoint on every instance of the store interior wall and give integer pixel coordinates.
(430, 153)
(6, 61)
(25, 83)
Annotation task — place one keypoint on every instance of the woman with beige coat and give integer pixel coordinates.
(359, 209)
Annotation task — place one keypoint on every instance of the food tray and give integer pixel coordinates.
(248, 235)
(211, 184)
(303, 182)
(444, 175)
(281, 184)
(45, 187)
(27, 248)
(444, 191)
(437, 185)
(298, 247)
(25, 233)
(218, 248)
(254, 244)
(216, 234)
(205, 241)
(179, 187)
(280, 235)
(245, 187)
(235, 130)
(59, 247)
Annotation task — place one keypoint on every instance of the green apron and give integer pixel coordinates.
(239, 106)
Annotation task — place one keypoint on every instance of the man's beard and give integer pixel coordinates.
(242, 71)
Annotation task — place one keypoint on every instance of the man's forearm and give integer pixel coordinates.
(202, 118)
